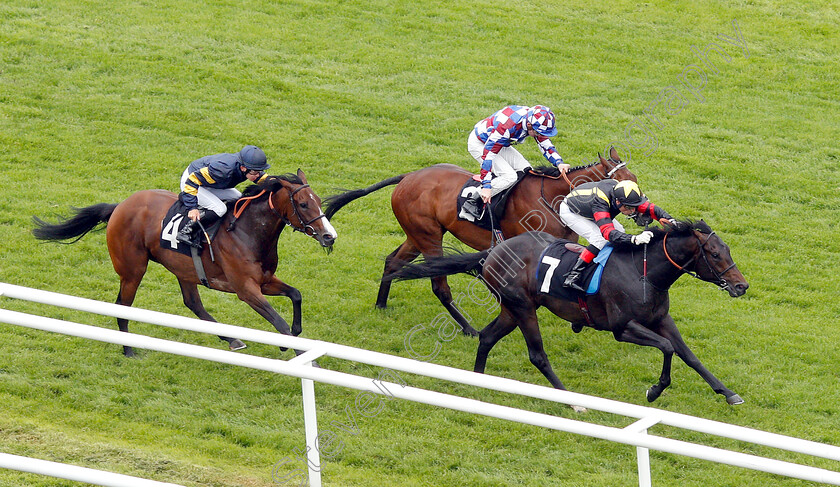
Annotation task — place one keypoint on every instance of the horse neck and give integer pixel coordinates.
(661, 271)
(261, 224)
(555, 189)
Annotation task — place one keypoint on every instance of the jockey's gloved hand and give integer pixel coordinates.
(642, 238)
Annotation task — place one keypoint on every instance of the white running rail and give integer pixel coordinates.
(635, 434)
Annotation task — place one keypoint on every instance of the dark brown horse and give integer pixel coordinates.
(424, 203)
(635, 311)
(245, 255)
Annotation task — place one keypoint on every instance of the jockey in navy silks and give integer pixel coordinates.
(210, 180)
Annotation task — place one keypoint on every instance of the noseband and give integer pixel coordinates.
(721, 282)
(306, 226)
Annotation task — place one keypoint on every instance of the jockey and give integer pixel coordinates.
(211, 179)
(589, 210)
(490, 144)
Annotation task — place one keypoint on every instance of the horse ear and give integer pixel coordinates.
(301, 175)
(601, 158)
(614, 154)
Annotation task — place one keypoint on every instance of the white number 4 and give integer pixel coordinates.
(171, 230)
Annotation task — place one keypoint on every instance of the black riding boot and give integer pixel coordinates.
(188, 232)
(471, 206)
(573, 276)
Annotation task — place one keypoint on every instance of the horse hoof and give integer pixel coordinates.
(237, 344)
(580, 409)
(734, 400)
(577, 327)
(470, 332)
(652, 395)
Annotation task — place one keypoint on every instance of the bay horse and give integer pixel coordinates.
(635, 311)
(245, 253)
(424, 203)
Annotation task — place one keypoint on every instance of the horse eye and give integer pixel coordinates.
(715, 255)
(304, 205)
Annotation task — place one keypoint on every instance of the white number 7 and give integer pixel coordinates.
(552, 262)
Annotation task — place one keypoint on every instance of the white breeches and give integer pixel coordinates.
(585, 227)
(211, 198)
(505, 164)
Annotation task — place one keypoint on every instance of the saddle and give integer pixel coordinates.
(557, 260)
(175, 219)
(491, 216)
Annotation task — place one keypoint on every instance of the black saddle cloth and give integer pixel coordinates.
(497, 203)
(555, 272)
(175, 219)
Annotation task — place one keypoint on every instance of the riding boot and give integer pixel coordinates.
(471, 210)
(188, 232)
(573, 276)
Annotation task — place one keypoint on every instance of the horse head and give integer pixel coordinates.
(710, 257)
(615, 168)
(300, 208)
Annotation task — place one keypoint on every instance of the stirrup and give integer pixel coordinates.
(571, 282)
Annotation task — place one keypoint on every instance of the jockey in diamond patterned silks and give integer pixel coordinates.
(490, 144)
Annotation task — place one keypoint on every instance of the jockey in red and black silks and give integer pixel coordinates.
(590, 211)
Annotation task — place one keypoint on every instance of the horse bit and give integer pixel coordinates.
(721, 282)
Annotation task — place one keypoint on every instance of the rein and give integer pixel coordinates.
(721, 282)
(305, 226)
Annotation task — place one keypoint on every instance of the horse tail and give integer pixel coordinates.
(456, 262)
(336, 202)
(83, 221)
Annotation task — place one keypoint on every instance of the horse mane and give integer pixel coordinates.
(271, 184)
(682, 227)
(553, 172)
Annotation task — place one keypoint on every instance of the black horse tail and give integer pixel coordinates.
(84, 220)
(336, 202)
(456, 262)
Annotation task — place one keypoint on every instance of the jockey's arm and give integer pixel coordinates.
(550, 153)
(655, 213)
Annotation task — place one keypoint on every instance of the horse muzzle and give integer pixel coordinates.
(735, 290)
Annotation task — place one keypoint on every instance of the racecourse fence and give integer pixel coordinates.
(635, 434)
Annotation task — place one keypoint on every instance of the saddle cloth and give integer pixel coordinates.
(555, 262)
(497, 203)
(175, 219)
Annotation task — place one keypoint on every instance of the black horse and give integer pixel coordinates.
(632, 302)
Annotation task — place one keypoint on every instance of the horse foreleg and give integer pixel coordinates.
(634, 332)
(406, 252)
(192, 300)
(669, 331)
(279, 288)
(499, 328)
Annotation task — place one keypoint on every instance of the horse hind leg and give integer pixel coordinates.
(192, 300)
(125, 297)
(406, 252)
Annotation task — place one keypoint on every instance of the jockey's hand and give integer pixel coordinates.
(193, 214)
(485, 194)
(564, 168)
(642, 238)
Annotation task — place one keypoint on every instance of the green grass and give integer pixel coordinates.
(101, 99)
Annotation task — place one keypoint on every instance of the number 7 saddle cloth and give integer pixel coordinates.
(556, 261)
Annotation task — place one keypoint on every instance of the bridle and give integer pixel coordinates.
(305, 226)
(721, 282)
(607, 175)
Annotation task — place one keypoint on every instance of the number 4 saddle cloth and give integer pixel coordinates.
(556, 261)
(174, 220)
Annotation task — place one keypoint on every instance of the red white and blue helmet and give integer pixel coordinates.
(542, 120)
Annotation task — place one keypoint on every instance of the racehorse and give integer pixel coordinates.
(632, 302)
(424, 203)
(245, 252)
